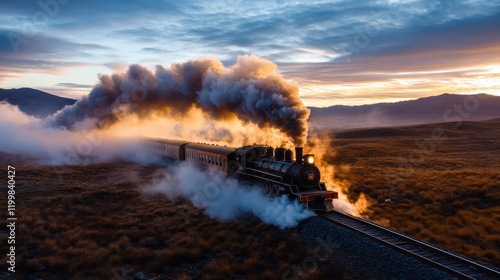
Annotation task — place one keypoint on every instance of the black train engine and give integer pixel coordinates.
(274, 170)
(278, 174)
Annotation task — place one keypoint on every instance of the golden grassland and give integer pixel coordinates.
(93, 222)
(439, 183)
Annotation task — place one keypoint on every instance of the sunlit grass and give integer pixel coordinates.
(450, 196)
(92, 229)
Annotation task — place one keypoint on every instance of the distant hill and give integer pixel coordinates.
(419, 111)
(34, 102)
(484, 129)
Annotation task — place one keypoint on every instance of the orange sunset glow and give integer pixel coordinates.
(390, 51)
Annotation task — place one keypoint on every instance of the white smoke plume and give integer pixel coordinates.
(25, 135)
(225, 198)
(251, 91)
(222, 198)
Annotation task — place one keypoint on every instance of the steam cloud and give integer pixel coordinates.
(25, 135)
(90, 131)
(226, 199)
(222, 198)
(250, 90)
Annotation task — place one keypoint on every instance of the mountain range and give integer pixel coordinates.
(434, 109)
(34, 102)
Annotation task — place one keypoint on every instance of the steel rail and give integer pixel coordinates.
(457, 265)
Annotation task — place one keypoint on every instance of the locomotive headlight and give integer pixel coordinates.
(310, 159)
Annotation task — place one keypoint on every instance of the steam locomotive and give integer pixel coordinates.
(274, 170)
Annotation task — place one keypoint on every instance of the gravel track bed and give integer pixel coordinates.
(355, 256)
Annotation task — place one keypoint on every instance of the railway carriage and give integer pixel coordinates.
(212, 157)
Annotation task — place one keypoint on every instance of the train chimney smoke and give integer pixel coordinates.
(251, 90)
(298, 154)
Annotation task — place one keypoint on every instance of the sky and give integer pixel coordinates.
(336, 52)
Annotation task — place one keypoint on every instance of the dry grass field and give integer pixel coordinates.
(93, 222)
(439, 183)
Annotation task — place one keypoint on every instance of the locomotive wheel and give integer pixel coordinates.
(269, 189)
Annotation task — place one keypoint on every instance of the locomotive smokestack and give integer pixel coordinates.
(279, 153)
(298, 154)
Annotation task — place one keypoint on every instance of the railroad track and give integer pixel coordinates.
(453, 263)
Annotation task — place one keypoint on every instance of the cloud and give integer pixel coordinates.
(74, 85)
(43, 51)
(409, 36)
(260, 27)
